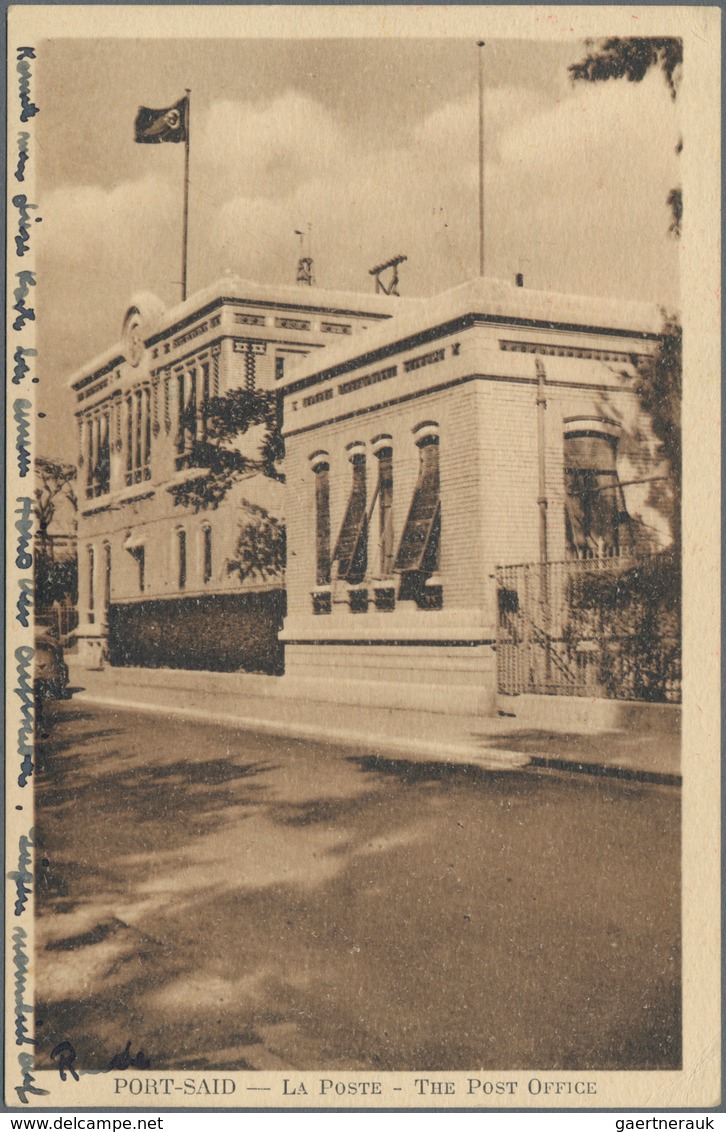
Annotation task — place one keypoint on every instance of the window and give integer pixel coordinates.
(98, 454)
(351, 549)
(192, 407)
(281, 361)
(182, 409)
(101, 455)
(129, 439)
(107, 578)
(182, 557)
(596, 519)
(418, 550)
(385, 513)
(139, 412)
(88, 455)
(146, 459)
(91, 585)
(205, 400)
(135, 547)
(207, 554)
(321, 467)
(138, 435)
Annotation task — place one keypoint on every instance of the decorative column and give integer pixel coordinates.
(250, 369)
(167, 402)
(155, 427)
(215, 352)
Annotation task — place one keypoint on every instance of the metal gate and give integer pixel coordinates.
(604, 627)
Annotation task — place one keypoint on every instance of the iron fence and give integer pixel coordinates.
(605, 627)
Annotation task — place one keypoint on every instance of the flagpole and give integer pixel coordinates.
(186, 194)
(481, 44)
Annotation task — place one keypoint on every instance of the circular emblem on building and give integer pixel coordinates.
(133, 338)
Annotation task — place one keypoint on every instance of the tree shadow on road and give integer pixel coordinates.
(443, 917)
(411, 772)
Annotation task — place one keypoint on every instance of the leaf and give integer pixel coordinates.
(632, 58)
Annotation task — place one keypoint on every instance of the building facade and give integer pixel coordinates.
(157, 583)
(490, 426)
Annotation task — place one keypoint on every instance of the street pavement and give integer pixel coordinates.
(235, 900)
(645, 749)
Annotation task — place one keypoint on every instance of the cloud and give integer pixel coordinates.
(580, 190)
(267, 149)
(104, 234)
(575, 198)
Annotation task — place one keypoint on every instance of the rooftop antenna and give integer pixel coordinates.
(305, 263)
(481, 45)
(388, 286)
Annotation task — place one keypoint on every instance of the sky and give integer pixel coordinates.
(372, 143)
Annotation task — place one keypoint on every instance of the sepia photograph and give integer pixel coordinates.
(349, 565)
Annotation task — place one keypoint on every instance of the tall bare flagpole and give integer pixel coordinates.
(481, 45)
(186, 195)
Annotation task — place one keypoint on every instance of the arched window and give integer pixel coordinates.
(418, 550)
(321, 468)
(134, 544)
(597, 523)
(204, 407)
(351, 548)
(207, 554)
(181, 537)
(91, 585)
(129, 439)
(383, 450)
(107, 577)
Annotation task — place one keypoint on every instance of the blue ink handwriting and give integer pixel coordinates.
(22, 875)
(28, 109)
(20, 293)
(24, 690)
(25, 601)
(23, 139)
(24, 527)
(21, 412)
(24, 207)
(22, 1010)
(21, 367)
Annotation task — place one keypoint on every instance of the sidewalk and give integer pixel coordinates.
(276, 705)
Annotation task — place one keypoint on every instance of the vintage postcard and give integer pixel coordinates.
(363, 438)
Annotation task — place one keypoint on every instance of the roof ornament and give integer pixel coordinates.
(304, 274)
(388, 286)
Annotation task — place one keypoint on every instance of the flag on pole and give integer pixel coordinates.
(169, 125)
